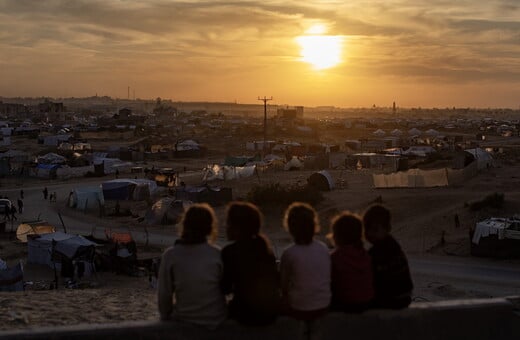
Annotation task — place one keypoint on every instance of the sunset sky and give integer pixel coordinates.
(425, 53)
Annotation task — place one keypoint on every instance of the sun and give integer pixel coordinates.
(319, 50)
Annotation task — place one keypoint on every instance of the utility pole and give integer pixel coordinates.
(265, 100)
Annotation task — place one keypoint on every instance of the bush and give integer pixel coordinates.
(274, 194)
(495, 200)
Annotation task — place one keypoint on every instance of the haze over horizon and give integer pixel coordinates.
(312, 53)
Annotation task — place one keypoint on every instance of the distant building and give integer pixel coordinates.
(50, 107)
(125, 113)
(290, 113)
(12, 109)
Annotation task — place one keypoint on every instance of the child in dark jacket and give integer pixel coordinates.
(250, 271)
(392, 281)
(351, 271)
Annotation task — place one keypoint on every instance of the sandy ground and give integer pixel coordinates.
(419, 218)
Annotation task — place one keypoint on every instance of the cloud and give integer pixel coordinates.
(437, 41)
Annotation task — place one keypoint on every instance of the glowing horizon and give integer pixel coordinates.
(344, 54)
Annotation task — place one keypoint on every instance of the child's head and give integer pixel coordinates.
(301, 220)
(376, 222)
(199, 224)
(243, 221)
(346, 229)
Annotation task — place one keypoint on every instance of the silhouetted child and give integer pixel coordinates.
(192, 270)
(305, 266)
(351, 271)
(250, 271)
(392, 281)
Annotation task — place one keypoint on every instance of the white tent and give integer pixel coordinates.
(294, 164)
(87, 198)
(396, 132)
(379, 133)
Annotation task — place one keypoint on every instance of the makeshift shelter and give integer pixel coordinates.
(224, 172)
(212, 195)
(396, 132)
(88, 198)
(379, 133)
(128, 189)
(496, 237)
(294, 164)
(51, 158)
(321, 180)
(11, 279)
(414, 132)
(166, 211)
(483, 158)
(33, 228)
(48, 248)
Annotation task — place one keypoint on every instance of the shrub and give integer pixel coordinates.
(274, 194)
(495, 200)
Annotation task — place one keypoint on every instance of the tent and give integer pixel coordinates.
(33, 228)
(414, 132)
(11, 279)
(379, 133)
(212, 195)
(294, 164)
(396, 132)
(166, 211)
(483, 158)
(321, 180)
(87, 198)
(40, 248)
(128, 189)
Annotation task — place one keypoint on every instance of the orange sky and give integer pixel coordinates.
(462, 53)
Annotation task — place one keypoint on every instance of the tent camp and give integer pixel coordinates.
(128, 189)
(88, 198)
(40, 248)
(321, 180)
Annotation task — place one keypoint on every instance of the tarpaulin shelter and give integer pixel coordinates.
(166, 211)
(482, 157)
(11, 279)
(33, 228)
(128, 189)
(321, 180)
(207, 194)
(40, 248)
(294, 164)
(87, 198)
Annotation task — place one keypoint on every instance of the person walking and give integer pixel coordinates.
(13, 213)
(45, 193)
(21, 193)
(20, 205)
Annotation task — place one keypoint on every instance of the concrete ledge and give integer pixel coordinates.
(460, 319)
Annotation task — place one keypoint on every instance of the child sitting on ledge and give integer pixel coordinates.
(392, 281)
